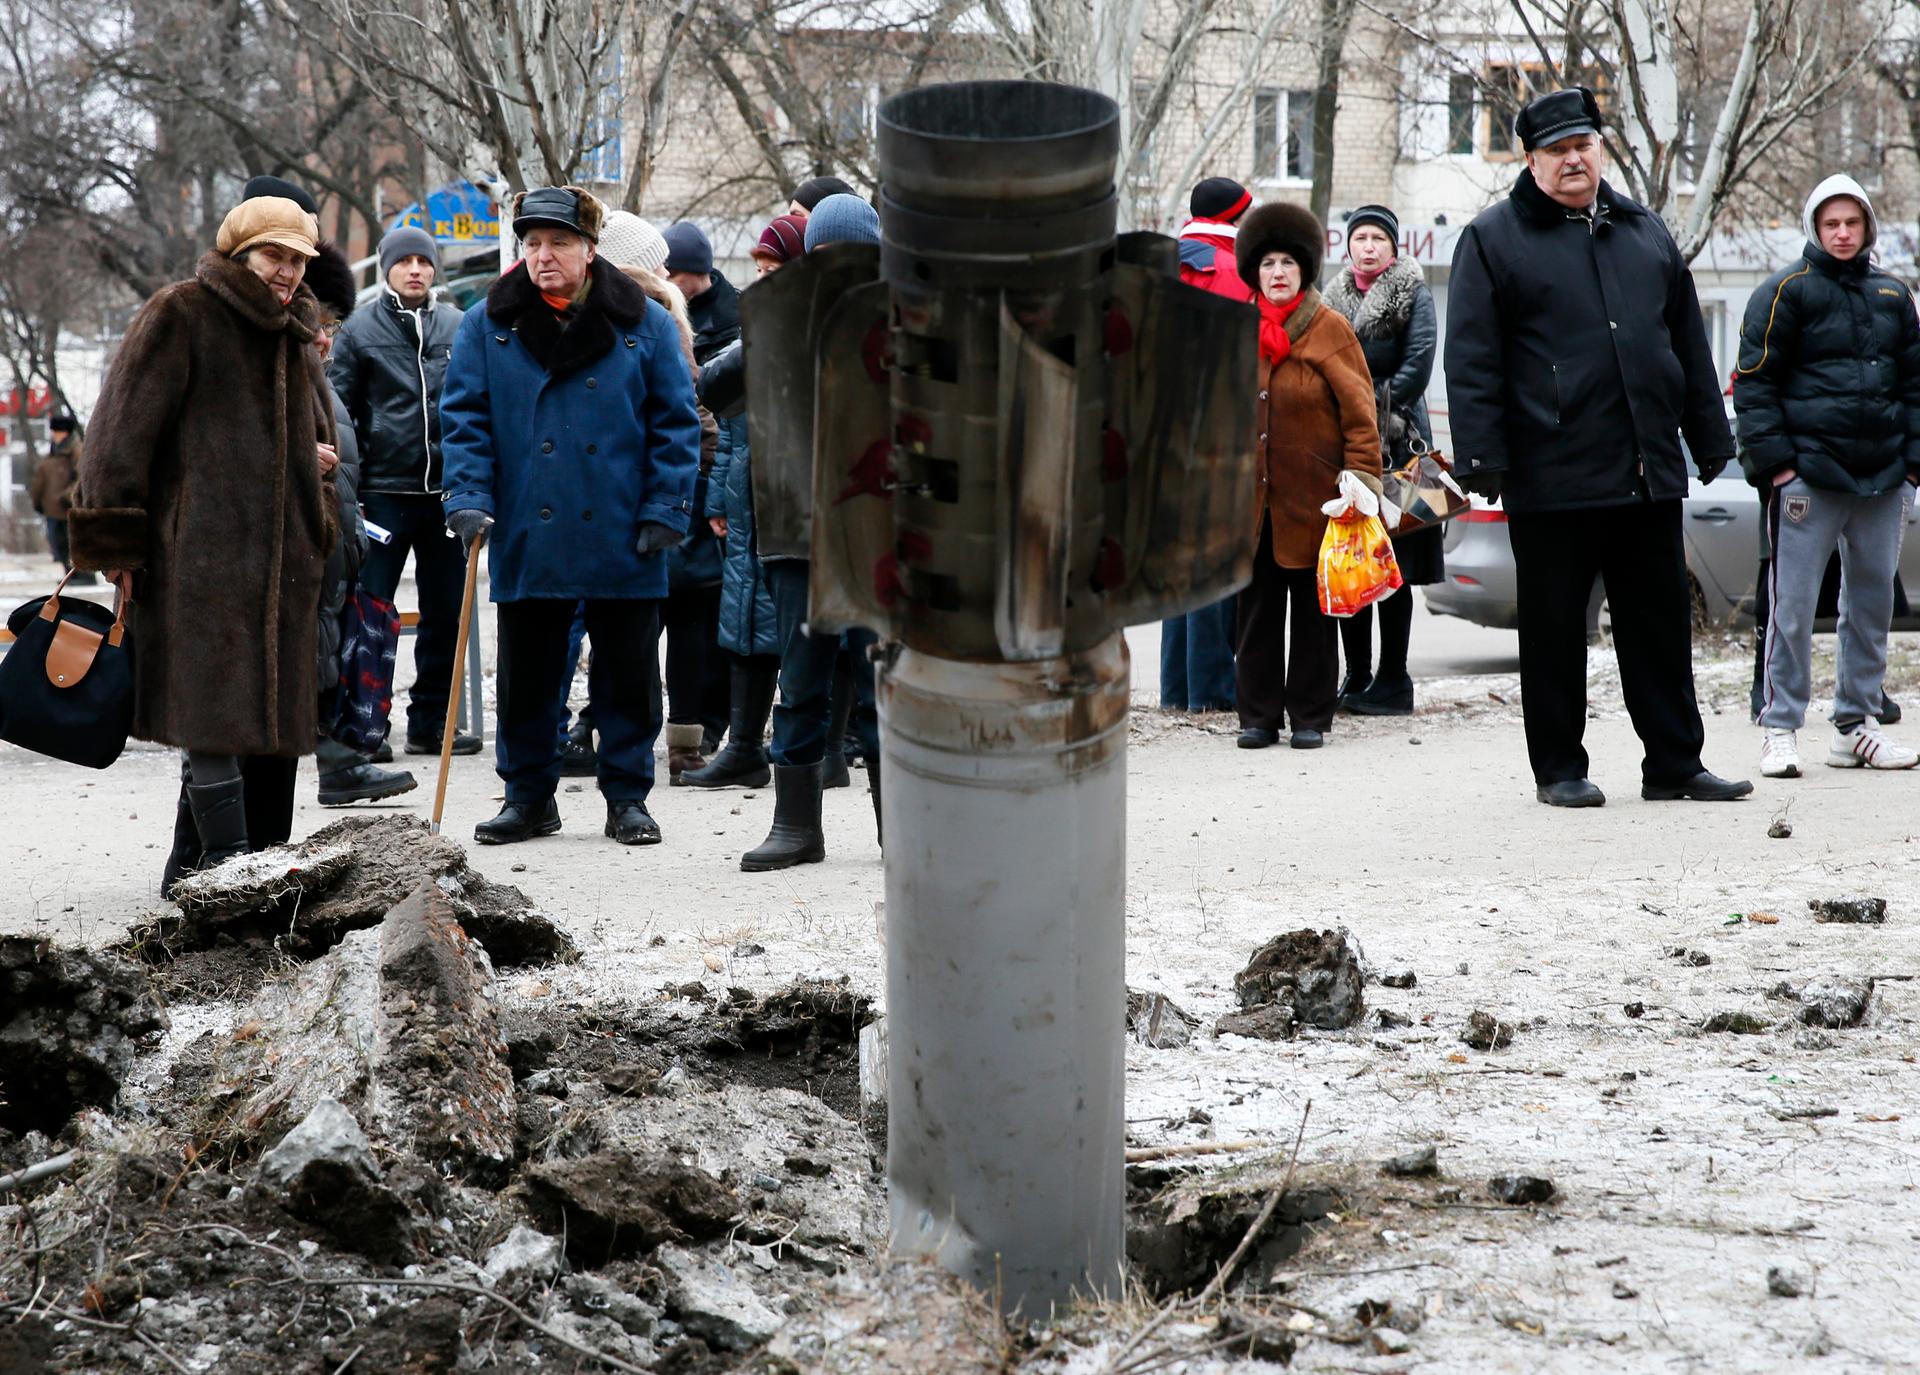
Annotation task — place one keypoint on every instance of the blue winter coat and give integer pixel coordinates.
(571, 433)
(748, 624)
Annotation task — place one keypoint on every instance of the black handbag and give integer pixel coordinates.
(66, 686)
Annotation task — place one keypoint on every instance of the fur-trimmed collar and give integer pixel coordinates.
(251, 299)
(1382, 311)
(1305, 313)
(566, 344)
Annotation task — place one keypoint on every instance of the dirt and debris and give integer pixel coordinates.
(1398, 978)
(1851, 911)
(1306, 977)
(1520, 1189)
(1737, 1023)
(1156, 1020)
(229, 926)
(70, 1024)
(1697, 959)
(1784, 1282)
(398, 1022)
(1484, 1031)
(1423, 1163)
(616, 1203)
(1829, 1001)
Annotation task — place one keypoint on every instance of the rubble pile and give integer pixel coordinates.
(1307, 977)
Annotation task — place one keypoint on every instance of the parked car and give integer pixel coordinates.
(1721, 524)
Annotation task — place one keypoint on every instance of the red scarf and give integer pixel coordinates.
(1274, 344)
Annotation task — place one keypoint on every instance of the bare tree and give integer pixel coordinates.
(1704, 92)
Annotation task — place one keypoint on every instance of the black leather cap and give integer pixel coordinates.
(1560, 114)
(553, 206)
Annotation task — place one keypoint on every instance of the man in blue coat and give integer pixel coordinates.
(568, 426)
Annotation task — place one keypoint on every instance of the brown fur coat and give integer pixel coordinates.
(200, 476)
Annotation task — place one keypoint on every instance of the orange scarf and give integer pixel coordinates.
(1274, 344)
(560, 304)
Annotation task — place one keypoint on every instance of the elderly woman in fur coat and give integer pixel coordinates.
(1316, 421)
(206, 496)
(1387, 300)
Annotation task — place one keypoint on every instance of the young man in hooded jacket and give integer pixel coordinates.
(1827, 397)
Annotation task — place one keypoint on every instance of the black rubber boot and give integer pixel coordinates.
(1385, 697)
(796, 837)
(184, 858)
(743, 763)
(839, 712)
(220, 816)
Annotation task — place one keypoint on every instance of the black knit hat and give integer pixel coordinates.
(257, 187)
(330, 279)
(810, 193)
(1557, 115)
(1278, 227)
(1380, 216)
(1219, 198)
(62, 422)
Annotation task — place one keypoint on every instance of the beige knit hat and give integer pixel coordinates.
(268, 219)
(626, 240)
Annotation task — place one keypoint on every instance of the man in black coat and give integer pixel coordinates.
(388, 364)
(1576, 357)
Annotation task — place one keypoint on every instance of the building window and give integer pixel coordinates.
(850, 113)
(1514, 84)
(1462, 105)
(1283, 135)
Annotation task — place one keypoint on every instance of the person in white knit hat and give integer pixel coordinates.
(697, 672)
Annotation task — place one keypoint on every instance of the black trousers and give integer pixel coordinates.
(1275, 682)
(1639, 552)
(623, 694)
(804, 713)
(439, 573)
(697, 672)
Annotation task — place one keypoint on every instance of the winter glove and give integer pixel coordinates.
(1482, 482)
(654, 537)
(1712, 468)
(468, 526)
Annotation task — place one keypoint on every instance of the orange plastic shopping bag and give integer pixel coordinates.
(1357, 567)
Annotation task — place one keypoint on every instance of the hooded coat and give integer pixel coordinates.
(200, 477)
(1828, 382)
(1576, 355)
(571, 432)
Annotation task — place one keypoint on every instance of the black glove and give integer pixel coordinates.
(468, 526)
(1712, 468)
(654, 537)
(1482, 482)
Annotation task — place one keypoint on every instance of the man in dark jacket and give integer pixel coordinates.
(570, 421)
(1576, 358)
(1827, 394)
(388, 364)
(51, 488)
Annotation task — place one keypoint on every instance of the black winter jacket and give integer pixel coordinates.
(388, 364)
(1576, 355)
(715, 316)
(1829, 377)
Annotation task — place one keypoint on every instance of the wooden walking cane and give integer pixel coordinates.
(459, 668)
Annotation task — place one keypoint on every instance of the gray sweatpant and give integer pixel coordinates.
(1807, 524)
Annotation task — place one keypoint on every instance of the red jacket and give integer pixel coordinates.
(1206, 260)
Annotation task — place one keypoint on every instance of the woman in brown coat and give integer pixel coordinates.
(206, 495)
(1316, 419)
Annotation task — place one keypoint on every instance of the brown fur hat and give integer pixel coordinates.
(1285, 228)
(588, 213)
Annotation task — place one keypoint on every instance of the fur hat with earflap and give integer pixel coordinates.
(563, 207)
(1279, 227)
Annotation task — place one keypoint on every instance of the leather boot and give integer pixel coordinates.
(743, 763)
(519, 821)
(220, 816)
(577, 756)
(683, 750)
(184, 858)
(796, 837)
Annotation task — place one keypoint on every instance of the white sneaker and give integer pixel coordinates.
(1779, 754)
(1865, 747)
